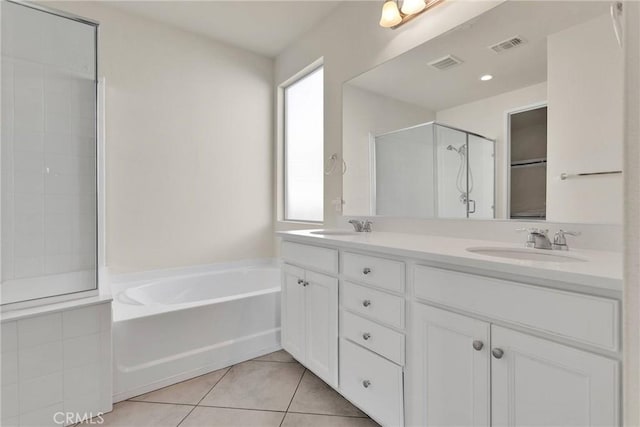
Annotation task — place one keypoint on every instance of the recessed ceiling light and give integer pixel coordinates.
(486, 77)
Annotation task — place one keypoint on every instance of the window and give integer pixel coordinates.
(303, 148)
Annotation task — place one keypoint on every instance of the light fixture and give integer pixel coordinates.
(486, 77)
(409, 7)
(394, 16)
(390, 14)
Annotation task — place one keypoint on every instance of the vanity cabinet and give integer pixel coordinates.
(310, 320)
(438, 347)
(537, 382)
(450, 362)
(466, 369)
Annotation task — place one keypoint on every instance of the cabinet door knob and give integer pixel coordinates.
(366, 383)
(366, 303)
(477, 345)
(497, 353)
(366, 336)
(300, 281)
(366, 270)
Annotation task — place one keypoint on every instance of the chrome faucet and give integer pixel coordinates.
(560, 241)
(361, 225)
(537, 238)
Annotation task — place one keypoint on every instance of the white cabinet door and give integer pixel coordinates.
(536, 382)
(321, 300)
(449, 357)
(293, 311)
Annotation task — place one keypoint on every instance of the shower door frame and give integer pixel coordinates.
(100, 198)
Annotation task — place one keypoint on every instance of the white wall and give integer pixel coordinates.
(585, 123)
(351, 42)
(487, 117)
(189, 134)
(366, 113)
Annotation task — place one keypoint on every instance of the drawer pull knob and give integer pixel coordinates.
(478, 345)
(366, 270)
(300, 281)
(497, 353)
(366, 336)
(366, 303)
(366, 383)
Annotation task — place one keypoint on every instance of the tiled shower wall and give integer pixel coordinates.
(48, 145)
(59, 362)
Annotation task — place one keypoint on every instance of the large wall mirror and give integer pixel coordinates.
(514, 115)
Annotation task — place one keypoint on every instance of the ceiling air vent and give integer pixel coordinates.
(508, 44)
(445, 62)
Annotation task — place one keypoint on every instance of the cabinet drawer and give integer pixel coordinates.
(377, 305)
(372, 383)
(380, 272)
(583, 318)
(384, 341)
(314, 257)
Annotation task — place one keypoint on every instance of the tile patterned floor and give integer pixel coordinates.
(272, 390)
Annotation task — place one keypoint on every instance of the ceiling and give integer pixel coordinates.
(409, 78)
(264, 27)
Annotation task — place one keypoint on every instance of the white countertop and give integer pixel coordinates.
(599, 270)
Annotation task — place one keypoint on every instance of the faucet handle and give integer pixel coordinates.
(366, 226)
(560, 241)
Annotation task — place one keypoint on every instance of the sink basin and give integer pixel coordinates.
(526, 254)
(334, 232)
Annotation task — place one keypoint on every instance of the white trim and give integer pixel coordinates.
(372, 174)
(102, 192)
(506, 164)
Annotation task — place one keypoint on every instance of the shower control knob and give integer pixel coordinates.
(366, 303)
(366, 336)
(497, 353)
(478, 345)
(305, 284)
(366, 383)
(366, 270)
(300, 282)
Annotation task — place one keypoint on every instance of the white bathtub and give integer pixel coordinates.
(170, 329)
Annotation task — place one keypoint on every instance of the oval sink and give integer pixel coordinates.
(334, 232)
(542, 255)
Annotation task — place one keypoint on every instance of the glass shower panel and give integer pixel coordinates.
(481, 177)
(451, 148)
(403, 182)
(48, 154)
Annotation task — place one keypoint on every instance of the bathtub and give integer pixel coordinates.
(182, 324)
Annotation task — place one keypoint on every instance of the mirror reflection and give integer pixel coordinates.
(515, 115)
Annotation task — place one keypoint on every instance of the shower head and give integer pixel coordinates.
(452, 148)
(461, 150)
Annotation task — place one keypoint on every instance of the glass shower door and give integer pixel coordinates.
(48, 154)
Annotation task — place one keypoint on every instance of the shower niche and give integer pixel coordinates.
(432, 171)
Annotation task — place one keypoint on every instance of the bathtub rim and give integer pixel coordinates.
(124, 311)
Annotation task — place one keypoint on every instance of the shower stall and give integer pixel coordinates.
(48, 153)
(433, 171)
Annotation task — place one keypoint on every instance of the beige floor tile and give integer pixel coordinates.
(308, 420)
(186, 392)
(276, 356)
(256, 385)
(314, 396)
(224, 417)
(142, 414)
